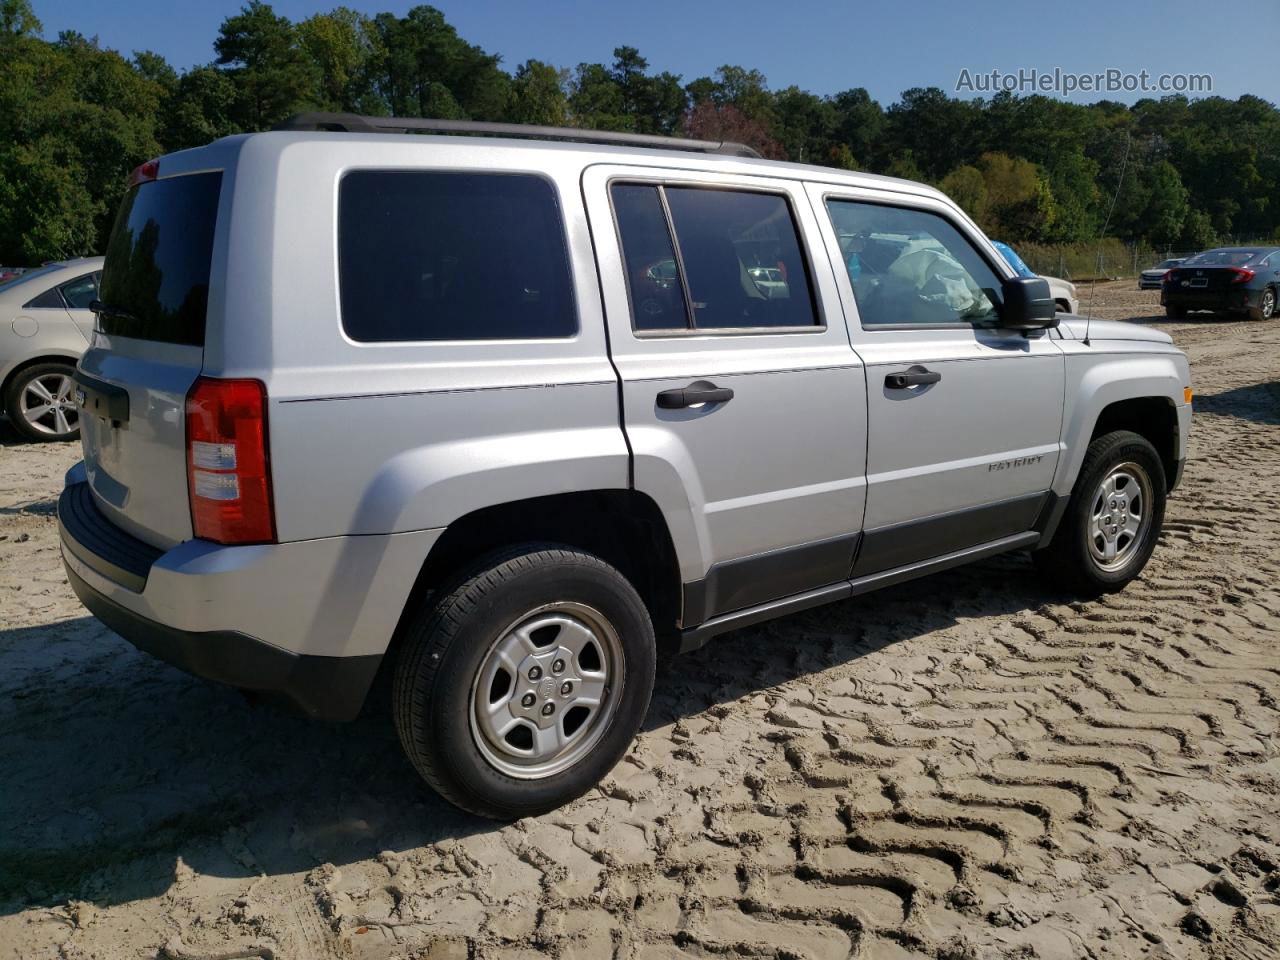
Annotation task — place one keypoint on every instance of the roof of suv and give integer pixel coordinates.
(591, 146)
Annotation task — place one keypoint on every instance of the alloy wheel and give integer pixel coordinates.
(546, 690)
(47, 404)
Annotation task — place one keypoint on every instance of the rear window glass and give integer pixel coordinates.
(155, 284)
(28, 276)
(1221, 258)
(452, 256)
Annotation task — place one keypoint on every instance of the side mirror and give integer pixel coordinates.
(1028, 304)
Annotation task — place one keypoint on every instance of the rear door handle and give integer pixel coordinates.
(912, 377)
(700, 391)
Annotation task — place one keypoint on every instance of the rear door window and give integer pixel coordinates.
(452, 256)
(735, 264)
(155, 283)
(741, 255)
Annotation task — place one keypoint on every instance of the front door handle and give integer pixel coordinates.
(700, 391)
(913, 377)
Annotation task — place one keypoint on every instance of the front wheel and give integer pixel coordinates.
(1113, 519)
(41, 402)
(523, 684)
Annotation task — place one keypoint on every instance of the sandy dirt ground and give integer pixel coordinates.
(962, 768)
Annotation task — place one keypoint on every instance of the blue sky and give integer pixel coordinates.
(822, 47)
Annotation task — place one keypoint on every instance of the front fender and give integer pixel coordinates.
(1096, 382)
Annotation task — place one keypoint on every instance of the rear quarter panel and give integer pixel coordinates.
(371, 438)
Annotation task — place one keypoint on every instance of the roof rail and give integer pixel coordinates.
(354, 123)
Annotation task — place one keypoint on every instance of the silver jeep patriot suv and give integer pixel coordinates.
(518, 409)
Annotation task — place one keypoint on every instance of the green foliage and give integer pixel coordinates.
(271, 71)
(17, 19)
(340, 45)
(74, 120)
(967, 186)
(538, 95)
(1019, 202)
(422, 68)
(1038, 172)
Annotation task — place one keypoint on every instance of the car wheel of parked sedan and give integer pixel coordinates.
(1113, 519)
(41, 402)
(1266, 307)
(1175, 313)
(525, 681)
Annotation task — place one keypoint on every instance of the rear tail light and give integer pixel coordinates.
(144, 173)
(228, 471)
(1242, 275)
(1168, 275)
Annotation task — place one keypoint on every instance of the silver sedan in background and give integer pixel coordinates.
(1150, 278)
(45, 325)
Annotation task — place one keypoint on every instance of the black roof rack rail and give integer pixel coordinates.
(354, 123)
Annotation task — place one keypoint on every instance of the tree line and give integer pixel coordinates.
(76, 118)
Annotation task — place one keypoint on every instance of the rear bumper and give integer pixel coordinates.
(327, 688)
(1190, 299)
(309, 619)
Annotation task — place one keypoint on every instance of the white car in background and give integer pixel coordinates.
(45, 325)
(1152, 278)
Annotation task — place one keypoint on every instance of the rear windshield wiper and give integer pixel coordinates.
(107, 310)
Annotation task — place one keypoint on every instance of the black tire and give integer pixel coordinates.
(1266, 307)
(13, 402)
(1175, 313)
(449, 641)
(1068, 561)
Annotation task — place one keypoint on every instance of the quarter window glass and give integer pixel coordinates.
(653, 280)
(912, 267)
(81, 292)
(742, 257)
(452, 256)
(47, 300)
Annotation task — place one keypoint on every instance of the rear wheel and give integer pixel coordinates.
(1266, 307)
(523, 684)
(1113, 519)
(41, 402)
(1175, 313)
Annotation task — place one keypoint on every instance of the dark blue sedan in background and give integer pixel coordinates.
(1242, 280)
